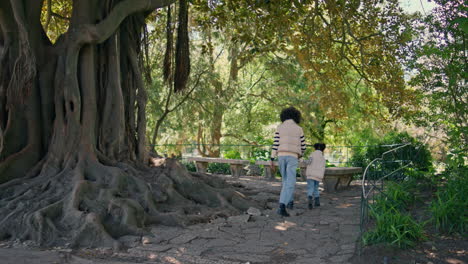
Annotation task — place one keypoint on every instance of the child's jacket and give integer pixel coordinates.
(316, 166)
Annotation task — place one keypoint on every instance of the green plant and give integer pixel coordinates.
(396, 196)
(419, 180)
(219, 168)
(329, 164)
(417, 153)
(189, 165)
(392, 224)
(259, 153)
(395, 228)
(449, 208)
(262, 151)
(232, 154)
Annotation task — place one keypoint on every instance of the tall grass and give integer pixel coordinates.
(449, 208)
(395, 228)
(392, 224)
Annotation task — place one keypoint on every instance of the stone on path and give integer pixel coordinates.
(254, 211)
(238, 219)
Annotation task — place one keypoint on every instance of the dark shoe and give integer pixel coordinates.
(282, 210)
(290, 205)
(311, 202)
(317, 201)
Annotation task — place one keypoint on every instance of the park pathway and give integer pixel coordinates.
(327, 234)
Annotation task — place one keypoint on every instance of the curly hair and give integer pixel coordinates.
(320, 146)
(291, 113)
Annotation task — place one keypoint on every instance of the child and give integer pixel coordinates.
(288, 146)
(315, 171)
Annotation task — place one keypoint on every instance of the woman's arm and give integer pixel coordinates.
(274, 148)
(303, 144)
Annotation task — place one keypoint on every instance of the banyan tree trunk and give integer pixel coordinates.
(72, 132)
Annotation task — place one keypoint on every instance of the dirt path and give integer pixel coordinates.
(323, 235)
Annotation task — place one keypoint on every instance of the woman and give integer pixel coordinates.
(288, 146)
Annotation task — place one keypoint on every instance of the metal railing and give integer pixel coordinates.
(392, 165)
(340, 156)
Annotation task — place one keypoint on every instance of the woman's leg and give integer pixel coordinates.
(282, 162)
(291, 179)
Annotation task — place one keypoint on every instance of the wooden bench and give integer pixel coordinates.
(335, 177)
(237, 166)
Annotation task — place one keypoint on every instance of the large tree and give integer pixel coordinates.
(348, 52)
(439, 64)
(72, 128)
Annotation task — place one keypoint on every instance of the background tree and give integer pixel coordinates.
(332, 61)
(439, 65)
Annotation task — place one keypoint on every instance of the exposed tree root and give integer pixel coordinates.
(93, 205)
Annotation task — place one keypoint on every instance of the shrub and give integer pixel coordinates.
(396, 196)
(416, 152)
(189, 165)
(259, 153)
(395, 228)
(392, 224)
(232, 154)
(449, 207)
(219, 168)
(329, 165)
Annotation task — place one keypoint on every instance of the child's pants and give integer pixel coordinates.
(313, 188)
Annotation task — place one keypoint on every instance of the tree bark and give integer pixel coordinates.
(72, 125)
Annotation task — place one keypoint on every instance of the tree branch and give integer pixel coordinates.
(189, 92)
(272, 101)
(201, 105)
(259, 79)
(240, 138)
(98, 33)
(168, 110)
(59, 16)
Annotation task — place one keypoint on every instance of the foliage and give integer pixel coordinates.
(260, 154)
(438, 63)
(189, 165)
(320, 57)
(219, 168)
(262, 151)
(232, 154)
(392, 224)
(421, 180)
(352, 71)
(449, 207)
(417, 153)
(395, 228)
(329, 165)
(397, 196)
(55, 17)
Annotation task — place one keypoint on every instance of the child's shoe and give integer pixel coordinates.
(317, 201)
(311, 202)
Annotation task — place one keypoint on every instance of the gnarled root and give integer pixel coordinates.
(93, 205)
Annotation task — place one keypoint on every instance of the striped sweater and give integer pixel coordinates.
(289, 140)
